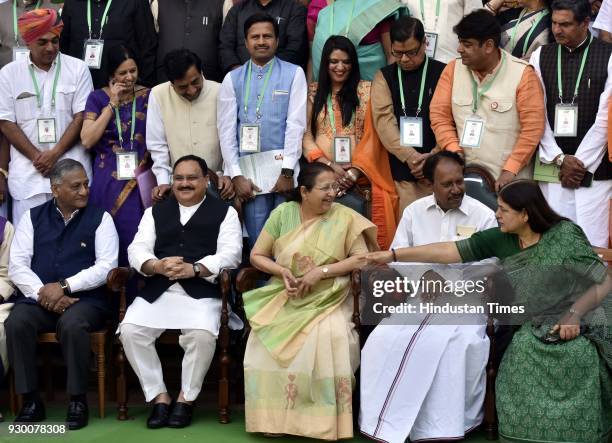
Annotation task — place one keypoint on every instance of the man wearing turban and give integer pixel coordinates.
(42, 98)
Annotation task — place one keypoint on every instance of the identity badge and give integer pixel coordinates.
(20, 53)
(566, 121)
(126, 165)
(93, 53)
(431, 44)
(411, 132)
(249, 138)
(46, 130)
(473, 130)
(342, 149)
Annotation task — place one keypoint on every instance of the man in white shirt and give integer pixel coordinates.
(60, 256)
(424, 381)
(603, 22)
(182, 120)
(576, 131)
(6, 290)
(262, 114)
(42, 98)
(181, 245)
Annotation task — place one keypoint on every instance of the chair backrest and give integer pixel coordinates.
(480, 184)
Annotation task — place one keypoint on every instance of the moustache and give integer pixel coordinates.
(186, 188)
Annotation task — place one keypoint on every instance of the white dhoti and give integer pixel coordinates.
(587, 207)
(21, 206)
(199, 322)
(423, 381)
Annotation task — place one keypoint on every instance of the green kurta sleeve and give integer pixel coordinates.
(486, 244)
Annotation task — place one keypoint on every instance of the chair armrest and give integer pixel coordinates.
(117, 278)
(247, 279)
(356, 290)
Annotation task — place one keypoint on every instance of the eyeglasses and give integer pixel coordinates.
(189, 178)
(329, 187)
(410, 54)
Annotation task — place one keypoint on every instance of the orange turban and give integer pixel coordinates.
(36, 23)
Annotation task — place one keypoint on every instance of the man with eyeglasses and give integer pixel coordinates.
(488, 104)
(401, 109)
(181, 245)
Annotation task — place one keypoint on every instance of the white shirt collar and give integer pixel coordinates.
(53, 65)
(193, 207)
(432, 203)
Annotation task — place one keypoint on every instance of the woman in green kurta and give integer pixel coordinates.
(554, 382)
(303, 349)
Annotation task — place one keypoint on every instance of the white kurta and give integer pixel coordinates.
(175, 309)
(426, 380)
(587, 207)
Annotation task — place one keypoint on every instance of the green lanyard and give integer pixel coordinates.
(55, 79)
(15, 28)
(421, 89)
(437, 13)
(543, 13)
(350, 20)
(132, 128)
(580, 72)
(332, 117)
(479, 92)
(261, 96)
(102, 22)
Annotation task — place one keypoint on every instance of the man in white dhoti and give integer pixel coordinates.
(576, 72)
(424, 381)
(181, 245)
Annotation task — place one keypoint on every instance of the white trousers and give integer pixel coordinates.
(587, 207)
(139, 345)
(21, 206)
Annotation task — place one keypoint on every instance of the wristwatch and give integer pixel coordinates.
(559, 160)
(197, 269)
(287, 173)
(65, 287)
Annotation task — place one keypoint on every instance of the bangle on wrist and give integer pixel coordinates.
(575, 312)
(394, 255)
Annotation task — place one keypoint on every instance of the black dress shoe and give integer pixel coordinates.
(181, 415)
(159, 416)
(32, 411)
(77, 416)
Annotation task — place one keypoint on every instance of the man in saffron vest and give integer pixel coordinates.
(488, 104)
(262, 108)
(182, 120)
(181, 245)
(60, 256)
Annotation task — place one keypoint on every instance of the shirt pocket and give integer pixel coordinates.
(64, 97)
(26, 109)
(502, 113)
(280, 103)
(463, 103)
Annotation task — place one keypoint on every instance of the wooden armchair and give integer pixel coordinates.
(480, 184)
(117, 280)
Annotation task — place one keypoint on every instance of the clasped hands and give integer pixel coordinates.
(45, 160)
(51, 297)
(572, 172)
(173, 267)
(300, 287)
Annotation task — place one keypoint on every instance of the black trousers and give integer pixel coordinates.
(72, 327)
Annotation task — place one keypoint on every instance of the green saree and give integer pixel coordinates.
(302, 353)
(551, 392)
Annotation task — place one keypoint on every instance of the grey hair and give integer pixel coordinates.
(63, 167)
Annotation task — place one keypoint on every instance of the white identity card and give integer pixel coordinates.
(93, 53)
(431, 44)
(249, 138)
(411, 132)
(46, 130)
(342, 149)
(566, 121)
(20, 53)
(473, 130)
(126, 165)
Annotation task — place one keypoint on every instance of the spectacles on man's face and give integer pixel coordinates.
(329, 187)
(410, 54)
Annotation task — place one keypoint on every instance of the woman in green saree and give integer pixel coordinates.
(303, 348)
(554, 382)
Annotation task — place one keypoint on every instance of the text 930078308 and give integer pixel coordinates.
(34, 429)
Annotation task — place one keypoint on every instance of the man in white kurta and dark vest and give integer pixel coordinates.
(42, 98)
(426, 380)
(488, 104)
(182, 120)
(262, 108)
(61, 254)
(577, 119)
(181, 245)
